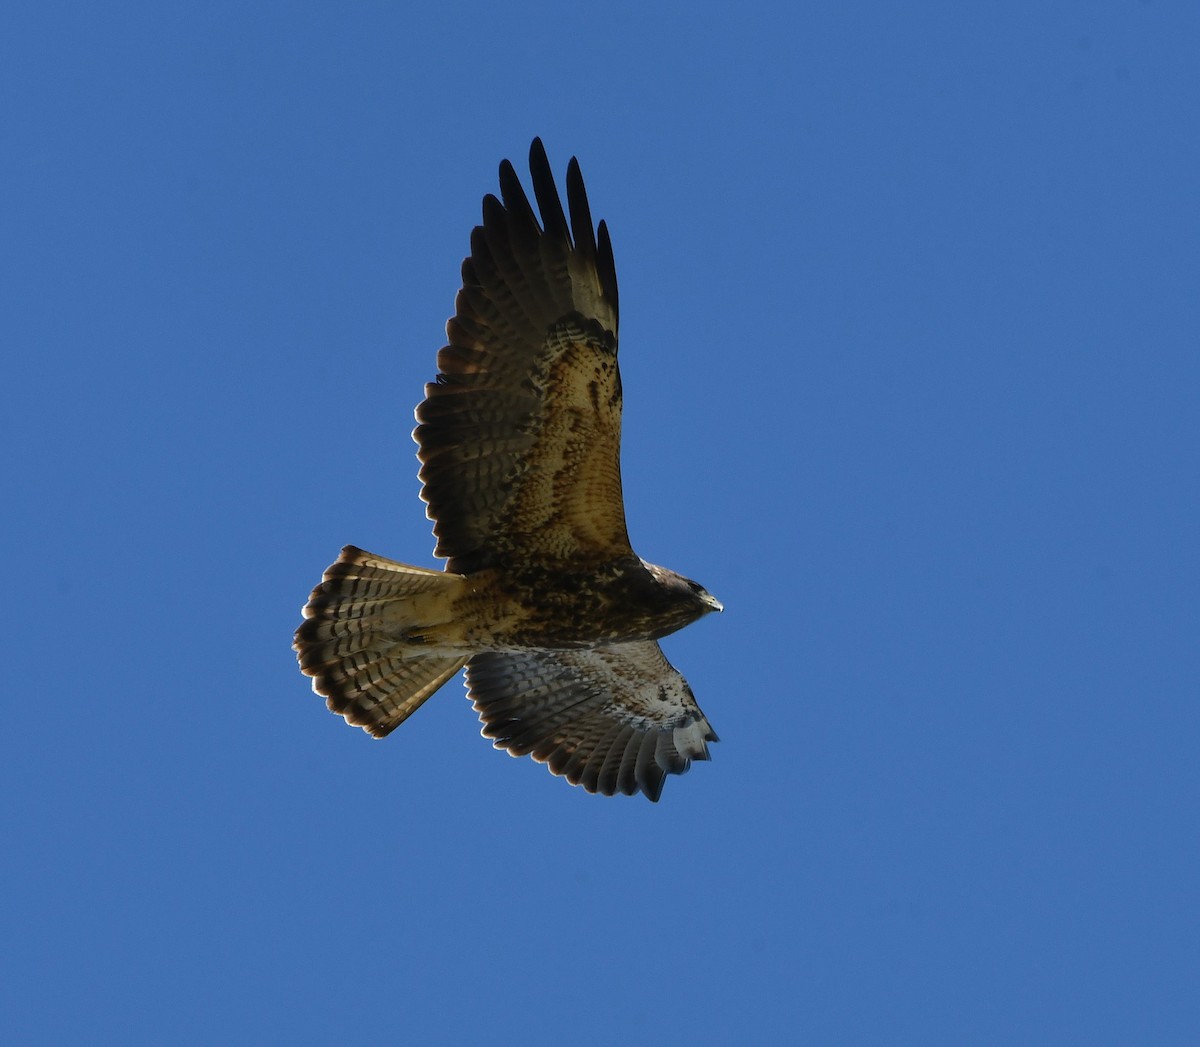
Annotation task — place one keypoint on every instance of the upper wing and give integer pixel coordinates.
(520, 434)
(612, 719)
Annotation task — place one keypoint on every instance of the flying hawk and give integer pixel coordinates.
(542, 598)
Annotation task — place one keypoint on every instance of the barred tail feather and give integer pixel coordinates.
(360, 640)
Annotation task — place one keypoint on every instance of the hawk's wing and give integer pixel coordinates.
(520, 434)
(612, 719)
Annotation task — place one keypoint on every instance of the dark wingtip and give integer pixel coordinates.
(508, 173)
(581, 214)
(537, 153)
(606, 266)
(554, 220)
(521, 221)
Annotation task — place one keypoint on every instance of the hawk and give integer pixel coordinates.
(542, 597)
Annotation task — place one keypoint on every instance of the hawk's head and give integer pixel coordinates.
(683, 593)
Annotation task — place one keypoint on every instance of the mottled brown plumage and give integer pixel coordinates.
(542, 598)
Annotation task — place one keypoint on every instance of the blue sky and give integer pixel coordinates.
(911, 354)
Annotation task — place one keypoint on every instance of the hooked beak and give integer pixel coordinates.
(713, 603)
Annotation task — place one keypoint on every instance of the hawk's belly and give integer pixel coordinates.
(555, 610)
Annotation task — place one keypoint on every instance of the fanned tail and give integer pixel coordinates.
(361, 638)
